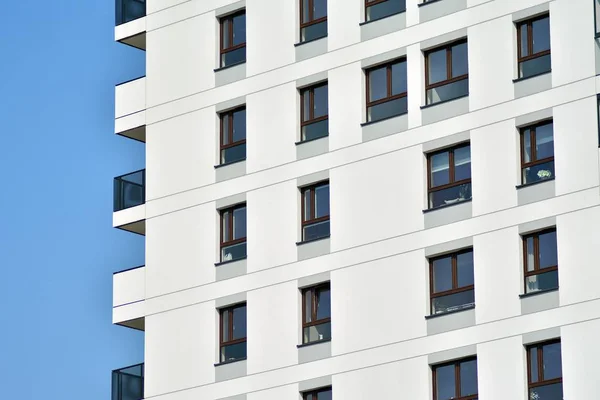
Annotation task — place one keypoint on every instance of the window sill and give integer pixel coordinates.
(229, 163)
(229, 362)
(472, 307)
(312, 240)
(443, 102)
(300, 346)
(531, 77)
(230, 261)
(525, 185)
(428, 2)
(309, 41)
(382, 119)
(229, 66)
(382, 18)
(446, 206)
(311, 140)
(526, 295)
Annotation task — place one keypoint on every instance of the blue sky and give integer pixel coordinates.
(59, 65)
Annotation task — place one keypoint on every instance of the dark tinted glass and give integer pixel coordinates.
(322, 201)
(316, 231)
(544, 141)
(399, 78)
(453, 302)
(548, 254)
(239, 223)
(315, 31)
(385, 9)
(325, 395)
(315, 130)
(320, 8)
(552, 361)
(128, 10)
(317, 332)
(468, 378)
(445, 382)
(547, 392)
(321, 101)
(448, 92)
(451, 195)
(239, 322)
(442, 274)
(536, 66)
(462, 163)
(378, 84)
(239, 125)
(543, 281)
(541, 35)
(323, 303)
(440, 169)
(464, 266)
(538, 172)
(460, 64)
(533, 364)
(233, 57)
(234, 252)
(233, 352)
(233, 154)
(438, 70)
(239, 29)
(523, 40)
(388, 109)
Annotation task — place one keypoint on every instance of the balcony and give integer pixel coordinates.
(129, 198)
(130, 109)
(128, 383)
(129, 292)
(131, 23)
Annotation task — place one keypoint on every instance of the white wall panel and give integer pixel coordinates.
(501, 369)
(580, 354)
(343, 18)
(345, 117)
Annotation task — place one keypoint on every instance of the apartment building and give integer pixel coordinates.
(362, 199)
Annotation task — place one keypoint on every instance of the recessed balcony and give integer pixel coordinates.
(129, 289)
(130, 109)
(131, 23)
(128, 383)
(129, 202)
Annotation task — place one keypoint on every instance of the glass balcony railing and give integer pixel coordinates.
(130, 190)
(128, 383)
(128, 10)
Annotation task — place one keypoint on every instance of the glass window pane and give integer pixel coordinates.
(552, 361)
(307, 204)
(527, 156)
(239, 223)
(543, 281)
(385, 9)
(530, 254)
(316, 231)
(322, 201)
(313, 32)
(547, 392)
(239, 322)
(225, 28)
(460, 63)
(234, 252)
(239, 29)
(317, 332)
(451, 195)
(225, 327)
(440, 169)
(233, 352)
(533, 364)
(320, 8)
(523, 40)
(538, 172)
(233, 154)
(308, 305)
(225, 129)
(462, 163)
(239, 125)
(464, 267)
(377, 84)
(442, 274)
(225, 226)
(399, 78)
(309, 397)
(536, 66)
(453, 302)
(548, 254)
(468, 378)
(321, 101)
(325, 395)
(306, 104)
(387, 110)
(544, 141)
(437, 66)
(305, 11)
(445, 383)
(323, 303)
(233, 57)
(541, 35)
(315, 130)
(448, 92)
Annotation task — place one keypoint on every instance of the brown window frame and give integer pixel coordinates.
(230, 330)
(540, 363)
(312, 220)
(233, 241)
(455, 289)
(449, 78)
(533, 144)
(315, 393)
(457, 382)
(370, 3)
(310, 90)
(529, 25)
(389, 97)
(312, 291)
(311, 20)
(223, 147)
(451, 172)
(223, 50)
(536, 256)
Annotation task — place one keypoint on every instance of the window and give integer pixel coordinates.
(537, 152)
(233, 136)
(597, 16)
(544, 371)
(456, 380)
(319, 394)
(377, 9)
(316, 313)
(233, 333)
(313, 19)
(315, 211)
(314, 108)
(233, 39)
(534, 46)
(449, 176)
(233, 233)
(452, 282)
(447, 72)
(386, 91)
(541, 261)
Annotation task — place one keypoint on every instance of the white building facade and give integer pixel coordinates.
(362, 199)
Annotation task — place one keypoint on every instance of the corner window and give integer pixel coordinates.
(313, 19)
(541, 261)
(314, 108)
(233, 233)
(447, 72)
(386, 90)
(233, 39)
(315, 211)
(449, 176)
(544, 371)
(452, 282)
(534, 46)
(537, 152)
(456, 380)
(316, 313)
(233, 333)
(233, 136)
(319, 394)
(377, 9)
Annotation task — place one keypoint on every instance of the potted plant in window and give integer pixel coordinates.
(544, 174)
